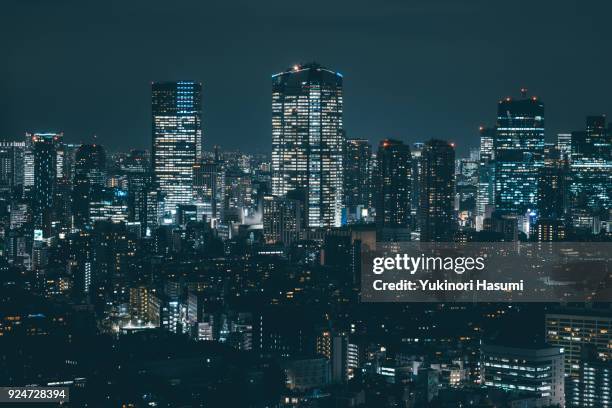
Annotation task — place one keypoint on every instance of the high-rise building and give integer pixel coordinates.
(282, 219)
(574, 328)
(416, 170)
(486, 192)
(341, 352)
(393, 191)
(89, 181)
(591, 175)
(44, 152)
(552, 199)
(597, 142)
(141, 310)
(11, 165)
(436, 198)
(108, 204)
(177, 139)
(308, 140)
(518, 149)
(535, 370)
(487, 137)
(209, 187)
(564, 144)
(466, 194)
(90, 164)
(357, 186)
(594, 384)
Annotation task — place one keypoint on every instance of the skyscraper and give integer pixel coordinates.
(90, 164)
(564, 144)
(518, 149)
(597, 141)
(357, 167)
(208, 185)
(177, 138)
(487, 137)
(436, 198)
(44, 152)
(393, 191)
(89, 180)
(591, 176)
(11, 165)
(552, 200)
(417, 172)
(485, 196)
(308, 140)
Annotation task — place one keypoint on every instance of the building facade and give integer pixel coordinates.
(518, 150)
(177, 139)
(308, 140)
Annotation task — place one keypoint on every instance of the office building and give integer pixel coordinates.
(177, 139)
(90, 164)
(308, 140)
(393, 191)
(282, 219)
(573, 328)
(209, 187)
(437, 191)
(536, 370)
(44, 148)
(518, 149)
(487, 137)
(593, 386)
(564, 144)
(357, 186)
(11, 165)
(597, 141)
(590, 190)
(89, 181)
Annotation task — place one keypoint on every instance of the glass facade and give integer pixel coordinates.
(308, 140)
(177, 139)
(518, 149)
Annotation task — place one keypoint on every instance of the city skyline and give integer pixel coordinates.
(427, 76)
(463, 149)
(306, 205)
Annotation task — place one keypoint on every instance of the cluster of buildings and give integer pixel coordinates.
(261, 253)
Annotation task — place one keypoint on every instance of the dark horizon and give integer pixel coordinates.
(420, 71)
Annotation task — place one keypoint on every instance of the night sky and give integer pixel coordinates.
(412, 69)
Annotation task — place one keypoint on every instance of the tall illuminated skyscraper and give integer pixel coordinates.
(308, 140)
(518, 149)
(177, 138)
